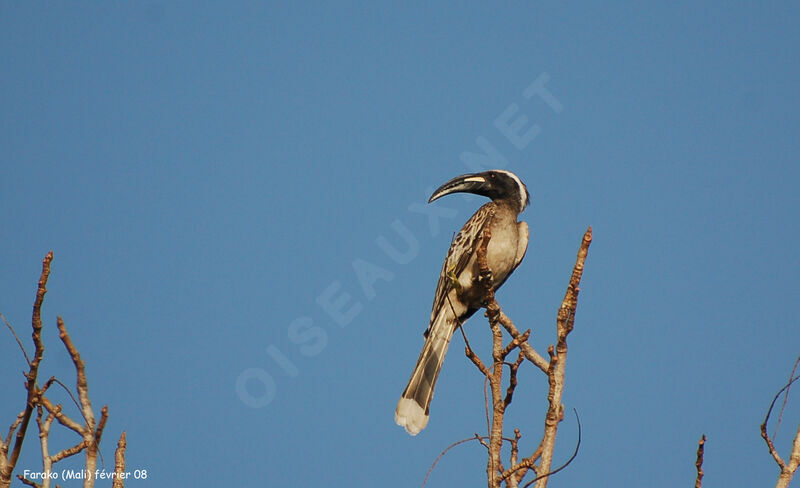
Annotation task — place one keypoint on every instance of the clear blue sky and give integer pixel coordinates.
(208, 173)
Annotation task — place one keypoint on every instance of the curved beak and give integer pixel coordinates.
(469, 183)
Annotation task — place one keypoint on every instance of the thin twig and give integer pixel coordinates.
(512, 381)
(476, 437)
(19, 342)
(571, 458)
(468, 349)
(785, 399)
(55, 380)
(486, 403)
(476, 361)
(515, 446)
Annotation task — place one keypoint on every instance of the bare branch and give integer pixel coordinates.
(70, 451)
(44, 433)
(787, 473)
(119, 462)
(88, 431)
(62, 418)
(530, 353)
(4, 443)
(558, 360)
(7, 463)
(524, 465)
(26, 481)
(515, 343)
(512, 382)
(102, 425)
(699, 463)
(80, 369)
(515, 446)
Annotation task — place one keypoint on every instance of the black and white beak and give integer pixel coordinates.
(476, 183)
(495, 184)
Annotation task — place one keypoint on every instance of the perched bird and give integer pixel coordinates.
(458, 294)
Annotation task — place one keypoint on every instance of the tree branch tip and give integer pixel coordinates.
(699, 462)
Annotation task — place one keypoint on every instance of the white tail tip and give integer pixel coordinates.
(410, 416)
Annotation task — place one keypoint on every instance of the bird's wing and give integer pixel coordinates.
(462, 248)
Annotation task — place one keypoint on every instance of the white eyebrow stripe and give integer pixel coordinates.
(520, 186)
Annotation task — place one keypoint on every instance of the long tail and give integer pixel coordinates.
(412, 409)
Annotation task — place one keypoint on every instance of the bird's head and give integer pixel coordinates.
(496, 184)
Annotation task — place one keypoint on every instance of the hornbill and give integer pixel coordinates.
(458, 294)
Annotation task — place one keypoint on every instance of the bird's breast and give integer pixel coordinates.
(501, 253)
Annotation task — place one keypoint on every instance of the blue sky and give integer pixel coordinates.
(206, 174)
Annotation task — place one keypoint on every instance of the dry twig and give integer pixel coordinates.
(699, 462)
(558, 361)
(476, 437)
(119, 461)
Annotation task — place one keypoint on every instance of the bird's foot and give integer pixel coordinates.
(453, 279)
(486, 276)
